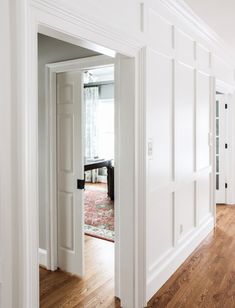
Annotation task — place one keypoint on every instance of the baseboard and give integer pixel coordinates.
(42, 255)
(161, 274)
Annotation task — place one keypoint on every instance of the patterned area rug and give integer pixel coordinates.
(99, 214)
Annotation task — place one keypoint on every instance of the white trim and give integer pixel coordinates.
(183, 11)
(229, 91)
(42, 256)
(224, 87)
(130, 43)
(125, 172)
(140, 178)
(80, 64)
(50, 138)
(211, 142)
(28, 21)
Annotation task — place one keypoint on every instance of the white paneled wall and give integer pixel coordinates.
(7, 156)
(184, 80)
(178, 125)
(221, 69)
(202, 123)
(179, 68)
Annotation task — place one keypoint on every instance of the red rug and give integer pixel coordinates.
(99, 215)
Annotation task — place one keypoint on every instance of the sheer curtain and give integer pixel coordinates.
(91, 98)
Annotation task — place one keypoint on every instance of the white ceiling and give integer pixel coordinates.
(219, 15)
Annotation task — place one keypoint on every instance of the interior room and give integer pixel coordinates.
(99, 153)
(50, 50)
(97, 117)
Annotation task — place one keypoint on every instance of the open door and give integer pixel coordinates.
(70, 166)
(220, 149)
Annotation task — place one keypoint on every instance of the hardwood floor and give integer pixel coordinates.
(207, 278)
(59, 289)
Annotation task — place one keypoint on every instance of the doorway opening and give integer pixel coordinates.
(76, 151)
(99, 152)
(221, 147)
(224, 144)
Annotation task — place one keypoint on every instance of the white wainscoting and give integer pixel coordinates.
(179, 205)
(165, 267)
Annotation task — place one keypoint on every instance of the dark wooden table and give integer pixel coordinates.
(96, 164)
(107, 163)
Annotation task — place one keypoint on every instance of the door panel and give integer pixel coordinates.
(66, 210)
(70, 168)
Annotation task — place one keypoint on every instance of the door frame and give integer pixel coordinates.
(221, 194)
(229, 92)
(37, 17)
(52, 70)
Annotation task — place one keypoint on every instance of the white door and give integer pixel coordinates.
(70, 168)
(220, 148)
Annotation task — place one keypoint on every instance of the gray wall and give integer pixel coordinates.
(50, 50)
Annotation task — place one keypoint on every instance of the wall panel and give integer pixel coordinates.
(160, 221)
(185, 210)
(159, 124)
(203, 121)
(160, 33)
(159, 130)
(184, 121)
(185, 48)
(221, 70)
(203, 196)
(203, 58)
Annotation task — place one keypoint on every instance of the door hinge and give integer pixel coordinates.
(226, 145)
(80, 184)
(226, 106)
(226, 185)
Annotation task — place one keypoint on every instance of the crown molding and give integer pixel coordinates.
(181, 10)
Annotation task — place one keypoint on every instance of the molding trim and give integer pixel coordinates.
(159, 275)
(184, 12)
(42, 257)
(229, 92)
(141, 183)
(80, 64)
(27, 27)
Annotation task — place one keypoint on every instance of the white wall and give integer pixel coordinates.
(180, 209)
(179, 63)
(6, 192)
(50, 50)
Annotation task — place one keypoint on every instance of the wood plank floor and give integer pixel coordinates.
(59, 289)
(207, 277)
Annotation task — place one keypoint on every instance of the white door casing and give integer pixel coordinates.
(70, 167)
(30, 20)
(220, 150)
(124, 163)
